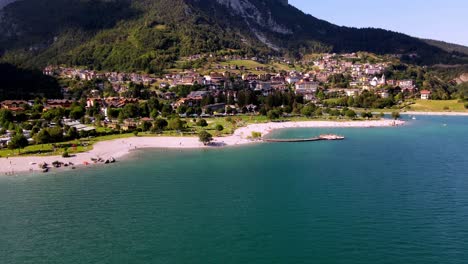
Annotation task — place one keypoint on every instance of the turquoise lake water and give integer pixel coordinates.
(383, 195)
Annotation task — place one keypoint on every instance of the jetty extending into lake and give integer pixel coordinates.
(319, 138)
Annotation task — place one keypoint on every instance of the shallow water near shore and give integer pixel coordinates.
(383, 195)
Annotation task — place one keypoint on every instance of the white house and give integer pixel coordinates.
(303, 84)
(352, 92)
(425, 94)
(292, 79)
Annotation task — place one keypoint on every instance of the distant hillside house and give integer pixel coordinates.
(406, 85)
(197, 95)
(307, 85)
(57, 103)
(425, 94)
(13, 105)
(352, 92)
(384, 94)
(214, 108)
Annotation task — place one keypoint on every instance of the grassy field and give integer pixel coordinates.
(437, 106)
(48, 149)
(249, 64)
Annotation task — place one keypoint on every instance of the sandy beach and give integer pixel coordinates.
(121, 147)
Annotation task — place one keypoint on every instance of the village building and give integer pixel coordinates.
(13, 105)
(352, 92)
(293, 79)
(79, 127)
(384, 94)
(406, 85)
(214, 108)
(425, 94)
(307, 85)
(57, 103)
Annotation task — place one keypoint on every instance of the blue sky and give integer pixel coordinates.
(445, 20)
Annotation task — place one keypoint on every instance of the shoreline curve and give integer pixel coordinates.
(119, 148)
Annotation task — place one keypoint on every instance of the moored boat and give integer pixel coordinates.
(331, 137)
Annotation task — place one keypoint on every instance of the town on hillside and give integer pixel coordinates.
(228, 87)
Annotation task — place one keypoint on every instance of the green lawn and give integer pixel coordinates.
(250, 64)
(437, 106)
(49, 149)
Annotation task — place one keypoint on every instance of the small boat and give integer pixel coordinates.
(331, 137)
(414, 118)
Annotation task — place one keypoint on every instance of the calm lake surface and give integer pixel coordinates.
(384, 195)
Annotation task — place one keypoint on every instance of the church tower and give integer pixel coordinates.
(383, 80)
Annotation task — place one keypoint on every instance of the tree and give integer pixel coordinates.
(72, 133)
(273, 114)
(318, 112)
(5, 116)
(160, 124)
(182, 109)
(366, 115)
(43, 137)
(205, 137)
(219, 127)
(395, 115)
(145, 126)
(153, 104)
(154, 114)
(308, 110)
(176, 124)
(56, 134)
(131, 110)
(113, 112)
(350, 113)
(19, 141)
(166, 110)
(77, 112)
(202, 123)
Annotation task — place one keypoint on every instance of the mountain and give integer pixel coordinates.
(150, 35)
(449, 47)
(24, 84)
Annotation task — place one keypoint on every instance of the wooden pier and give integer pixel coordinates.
(298, 140)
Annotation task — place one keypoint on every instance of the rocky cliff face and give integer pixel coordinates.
(462, 78)
(257, 17)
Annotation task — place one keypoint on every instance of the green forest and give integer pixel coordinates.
(16, 83)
